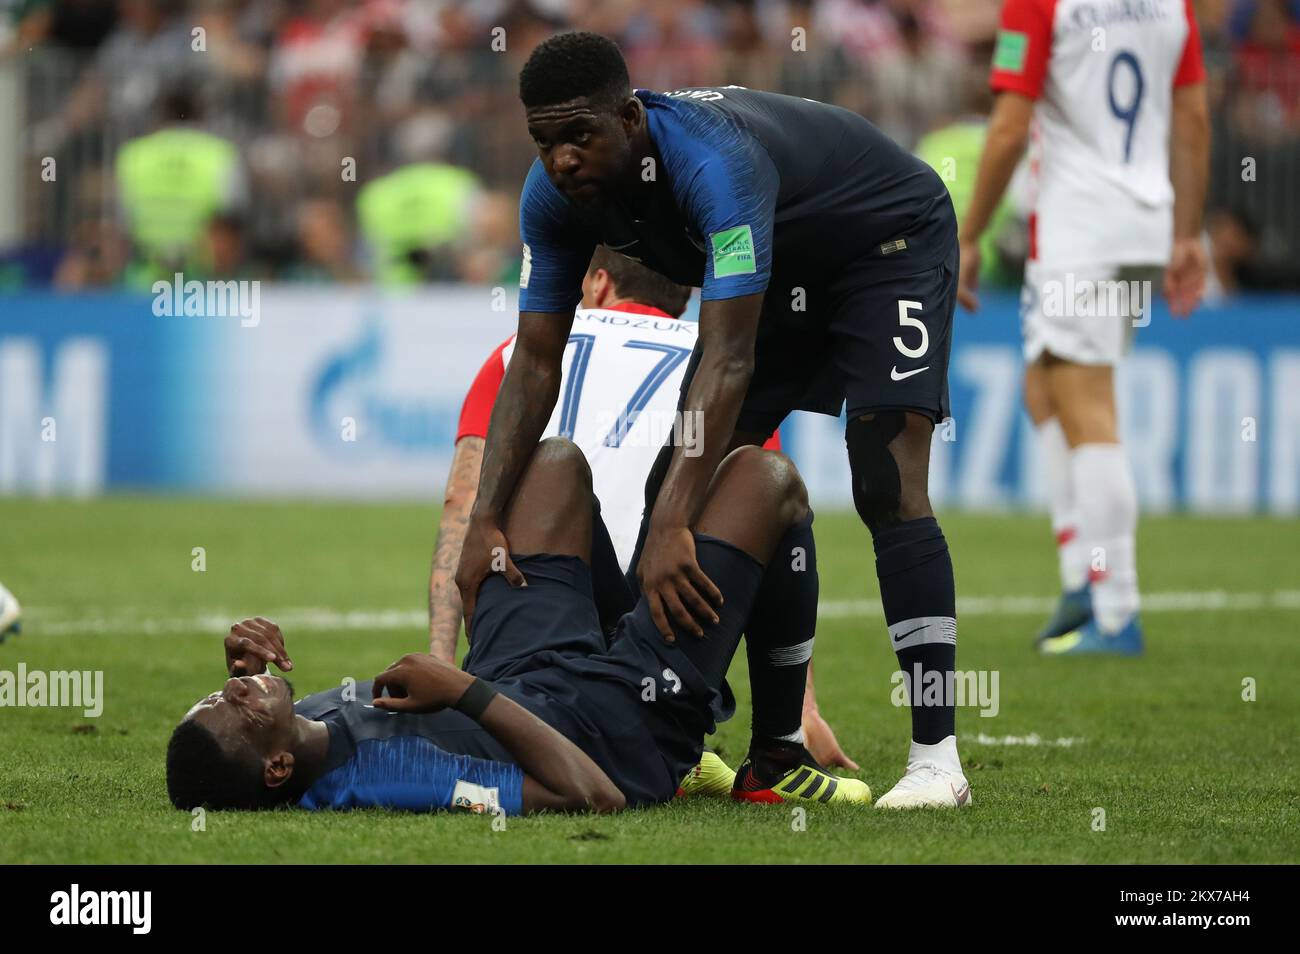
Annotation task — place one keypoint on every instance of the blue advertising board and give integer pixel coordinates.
(350, 393)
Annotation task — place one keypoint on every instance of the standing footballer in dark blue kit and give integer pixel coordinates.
(827, 259)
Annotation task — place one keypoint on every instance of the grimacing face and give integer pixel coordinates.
(252, 715)
(585, 148)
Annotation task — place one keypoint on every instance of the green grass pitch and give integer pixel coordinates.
(1184, 768)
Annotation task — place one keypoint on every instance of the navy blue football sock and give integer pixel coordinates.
(779, 636)
(919, 598)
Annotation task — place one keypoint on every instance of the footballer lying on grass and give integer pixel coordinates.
(547, 714)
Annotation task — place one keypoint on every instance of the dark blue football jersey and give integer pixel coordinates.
(418, 762)
(589, 692)
(747, 184)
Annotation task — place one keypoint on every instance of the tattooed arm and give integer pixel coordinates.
(444, 596)
(524, 403)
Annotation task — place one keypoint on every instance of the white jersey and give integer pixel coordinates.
(1103, 74)
(622, 376)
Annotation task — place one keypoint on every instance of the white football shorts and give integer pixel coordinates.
(1086, 314)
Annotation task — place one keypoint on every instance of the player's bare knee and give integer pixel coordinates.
(1085, 423)
(794, 492)
(914, 503)
(562, 455)
(774, 475)
(743, 463)
(556, 482)
(877, 484)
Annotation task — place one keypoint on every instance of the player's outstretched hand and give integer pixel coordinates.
(969, 278)
(251, 644)
(485, 551)
(419, 682)
(1185, 276)
(819, 739)
(675, 587)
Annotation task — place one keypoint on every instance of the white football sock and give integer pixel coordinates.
(1062, 504)
(1107, 530)
(943, 753)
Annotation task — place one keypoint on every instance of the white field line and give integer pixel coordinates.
(1032, 739)
(1194, 601)
(54, 623)
(313, 618)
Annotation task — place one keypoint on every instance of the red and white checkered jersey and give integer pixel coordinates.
(1103, 74)
(622, 375)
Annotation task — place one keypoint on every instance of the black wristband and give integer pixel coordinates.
(476, 698)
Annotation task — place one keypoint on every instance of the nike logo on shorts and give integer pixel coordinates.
(898, 376)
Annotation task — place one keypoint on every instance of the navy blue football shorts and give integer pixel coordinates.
(872, 339)
(638, 705)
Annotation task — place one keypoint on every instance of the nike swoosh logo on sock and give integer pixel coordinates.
(899, 639)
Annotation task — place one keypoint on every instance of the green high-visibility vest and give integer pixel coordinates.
(170, 183)
(954, 153)
(417, 207)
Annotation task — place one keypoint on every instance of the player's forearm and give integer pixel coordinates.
(1189, 158)
(1004, 144)
(728, 329)
(551, 759)
(523, 406)
(709, 418)
(445, 606)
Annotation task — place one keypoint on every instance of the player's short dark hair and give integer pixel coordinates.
(201, 773)
(633, 280)
(569, 65)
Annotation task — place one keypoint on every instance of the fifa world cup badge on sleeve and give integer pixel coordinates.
(733, 252)
(1009, 54)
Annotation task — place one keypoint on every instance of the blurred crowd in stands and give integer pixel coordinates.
(382, 140)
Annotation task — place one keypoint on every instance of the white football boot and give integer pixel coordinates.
(10, 613)
(934, 779)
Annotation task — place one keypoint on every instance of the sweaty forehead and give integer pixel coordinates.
(580, 108)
